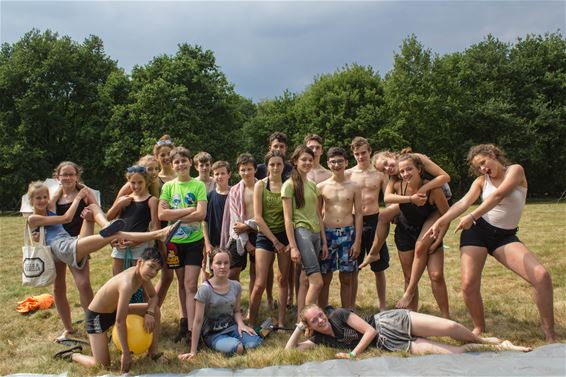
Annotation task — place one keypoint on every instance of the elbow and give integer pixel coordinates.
(387, 198)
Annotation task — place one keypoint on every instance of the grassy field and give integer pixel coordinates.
(26, 341)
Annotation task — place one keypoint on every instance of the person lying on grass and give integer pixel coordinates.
(217, 314)
(392, 330)
(111, 305)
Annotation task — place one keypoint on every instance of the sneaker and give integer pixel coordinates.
(112, 228)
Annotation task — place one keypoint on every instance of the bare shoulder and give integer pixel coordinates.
(516, 169)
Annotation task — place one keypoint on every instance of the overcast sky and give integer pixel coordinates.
(267, 47)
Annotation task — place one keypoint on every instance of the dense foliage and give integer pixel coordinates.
(63, 100)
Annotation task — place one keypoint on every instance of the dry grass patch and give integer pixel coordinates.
(26, 341)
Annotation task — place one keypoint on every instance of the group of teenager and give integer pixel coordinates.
(313, 220)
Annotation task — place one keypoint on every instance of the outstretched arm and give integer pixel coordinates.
(515, 177)
(40, 220)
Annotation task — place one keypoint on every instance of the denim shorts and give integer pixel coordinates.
(228, 342)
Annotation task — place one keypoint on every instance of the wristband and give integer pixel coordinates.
(473, 218)
(300, 326)
(149, 312)
(352, 355)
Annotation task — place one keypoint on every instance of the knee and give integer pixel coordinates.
(190, 287)
(420, 249)
(436, 277)
(316, 281)
(470, 287)
(541, 277)
(252, 342)
(259, 286)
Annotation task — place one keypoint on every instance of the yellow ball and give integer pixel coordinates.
(138, 340)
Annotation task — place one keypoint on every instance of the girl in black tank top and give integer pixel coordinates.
(413, 248)
(139, 211)
(69, 175)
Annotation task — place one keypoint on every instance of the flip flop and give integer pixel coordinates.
(69, 342)
(172, 231)
(66, 354)
(112, 228)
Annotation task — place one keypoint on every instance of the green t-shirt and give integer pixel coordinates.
(305, 217)
(185, 195)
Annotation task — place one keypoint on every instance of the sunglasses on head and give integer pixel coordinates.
(164, 142)
(136, 169)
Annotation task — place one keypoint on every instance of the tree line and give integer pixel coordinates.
(65, 100)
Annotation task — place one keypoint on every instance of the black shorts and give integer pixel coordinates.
(370, 225)
(264, 243)
(406, 236)
(191, 254)
(483, 234)
(241, 261)
(98, 323)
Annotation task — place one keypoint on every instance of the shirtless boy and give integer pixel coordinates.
(203, 160)
(371, 182)
(318, 173)
(111, 304)
(341, 197)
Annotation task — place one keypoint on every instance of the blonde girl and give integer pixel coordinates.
(75, 250)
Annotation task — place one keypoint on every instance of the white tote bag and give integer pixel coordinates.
(38, 267)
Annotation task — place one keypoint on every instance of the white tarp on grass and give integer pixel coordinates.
(544, 361)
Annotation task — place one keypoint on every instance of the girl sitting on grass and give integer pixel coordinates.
(218, 317)
(392, 330)
(74, 250)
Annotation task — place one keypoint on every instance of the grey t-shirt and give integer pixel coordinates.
(218, 307)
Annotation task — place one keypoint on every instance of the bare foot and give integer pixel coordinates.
(64, 335)
(405, 301)
(508, 346)
(370, 258)
(477, 331)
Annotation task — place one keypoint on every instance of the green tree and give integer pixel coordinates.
(342, 105)
(50, 109)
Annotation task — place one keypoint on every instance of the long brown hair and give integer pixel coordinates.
(298, 184)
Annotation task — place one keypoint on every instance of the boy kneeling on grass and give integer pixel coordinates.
(111, 304)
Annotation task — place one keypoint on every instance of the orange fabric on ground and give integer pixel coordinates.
(31, 303)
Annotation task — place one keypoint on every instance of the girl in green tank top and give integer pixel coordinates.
(271, 238)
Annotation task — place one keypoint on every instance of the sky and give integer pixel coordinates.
(264, 48)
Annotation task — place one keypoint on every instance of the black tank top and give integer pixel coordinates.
(74, 227)
(412, 214)
(137, 216)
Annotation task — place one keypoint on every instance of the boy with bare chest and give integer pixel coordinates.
(342, 218)
(111, 305)
(371, 182)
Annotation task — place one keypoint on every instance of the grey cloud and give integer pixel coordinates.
(265, 48)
